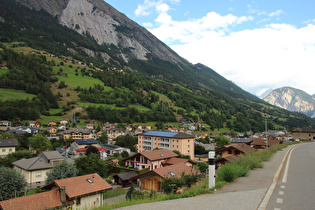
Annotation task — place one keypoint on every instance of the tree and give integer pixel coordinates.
(91, 150)
(39, 143)
(61, 171)
(92, 164)
(103, 139)
(221, 140)
(200, 150)
(124, 154)
(203, 167)
(12, 184)
(128, 141)
(14, 156)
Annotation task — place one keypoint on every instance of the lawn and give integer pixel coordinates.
(10, 94)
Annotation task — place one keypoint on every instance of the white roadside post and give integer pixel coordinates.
(211, 162)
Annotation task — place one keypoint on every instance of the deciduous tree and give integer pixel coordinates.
(12, 184)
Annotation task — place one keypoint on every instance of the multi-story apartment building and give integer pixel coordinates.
(182, 142)
(78, 134)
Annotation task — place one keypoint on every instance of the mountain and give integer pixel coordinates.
(45, 43)
(264, 94)
(293, 100)
(119, 42)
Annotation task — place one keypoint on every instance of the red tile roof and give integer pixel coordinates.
(81, 185)
(45, 200)
(244, 148)
(175, 160)
(158, 154)
(170, 171)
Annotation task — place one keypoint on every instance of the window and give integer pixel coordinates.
(38, 174)
(3, 150)
(90, 181)
(188, 141)
(230, 151)
(10, 150)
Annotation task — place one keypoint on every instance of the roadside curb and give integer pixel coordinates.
(265, 201)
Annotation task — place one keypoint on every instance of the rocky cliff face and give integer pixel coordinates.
(97, 19)
(293, 100)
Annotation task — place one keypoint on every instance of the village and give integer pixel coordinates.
(157, 155)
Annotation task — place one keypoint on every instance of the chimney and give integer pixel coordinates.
(63, 197)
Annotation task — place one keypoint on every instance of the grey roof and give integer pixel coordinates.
(39, 162)
(52, 155)
(31, 164)
(126, 175)
(240, 140)
(8, 143)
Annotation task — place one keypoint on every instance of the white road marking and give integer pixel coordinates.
(281, 193)
(285, 175)
(276, 209)
(279, 200)
(282, 186)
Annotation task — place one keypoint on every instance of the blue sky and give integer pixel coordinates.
(258, 44)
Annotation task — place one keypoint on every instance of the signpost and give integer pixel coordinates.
(211, 162)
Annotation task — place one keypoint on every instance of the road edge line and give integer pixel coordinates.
(265, 201)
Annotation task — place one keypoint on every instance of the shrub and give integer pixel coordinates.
(229, 172)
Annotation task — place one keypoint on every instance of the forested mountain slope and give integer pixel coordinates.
(155, 84)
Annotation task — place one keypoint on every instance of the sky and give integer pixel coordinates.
(258, 45)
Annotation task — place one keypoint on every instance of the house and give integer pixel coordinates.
(149, 159)
(107, 126)
(175, 160)
(182, 142)
(35, 169)
(63, 122)
(303, 134)
(52, 123)
(81, 192)
(247, 141)
(7, 146)
(112, 149)
(89, 126)
(227, 159)
(152, 180)
(5, 123)
(261, 143)
(77, 134)
(124, 178)
(79, 146)
(234, 149)
(33, 124)
(113, 133)
(51, 130)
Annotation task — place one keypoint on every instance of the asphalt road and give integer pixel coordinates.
(296, 186)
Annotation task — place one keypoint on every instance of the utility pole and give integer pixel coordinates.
(211, 162)
(266, 130)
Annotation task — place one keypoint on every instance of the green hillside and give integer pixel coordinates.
(153, 90)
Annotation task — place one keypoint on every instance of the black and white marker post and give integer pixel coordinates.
(211, 162)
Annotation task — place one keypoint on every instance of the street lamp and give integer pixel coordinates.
(266, 129)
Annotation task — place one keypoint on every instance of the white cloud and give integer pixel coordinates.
(276, 13)
(271, 57)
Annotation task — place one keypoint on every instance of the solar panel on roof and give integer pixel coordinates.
(161, 133)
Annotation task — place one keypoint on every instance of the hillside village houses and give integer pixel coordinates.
(35, 169)
(7, 146)
(81, 192)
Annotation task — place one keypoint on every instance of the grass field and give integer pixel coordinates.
(74, 81)
(112, 106)
(9, 94)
